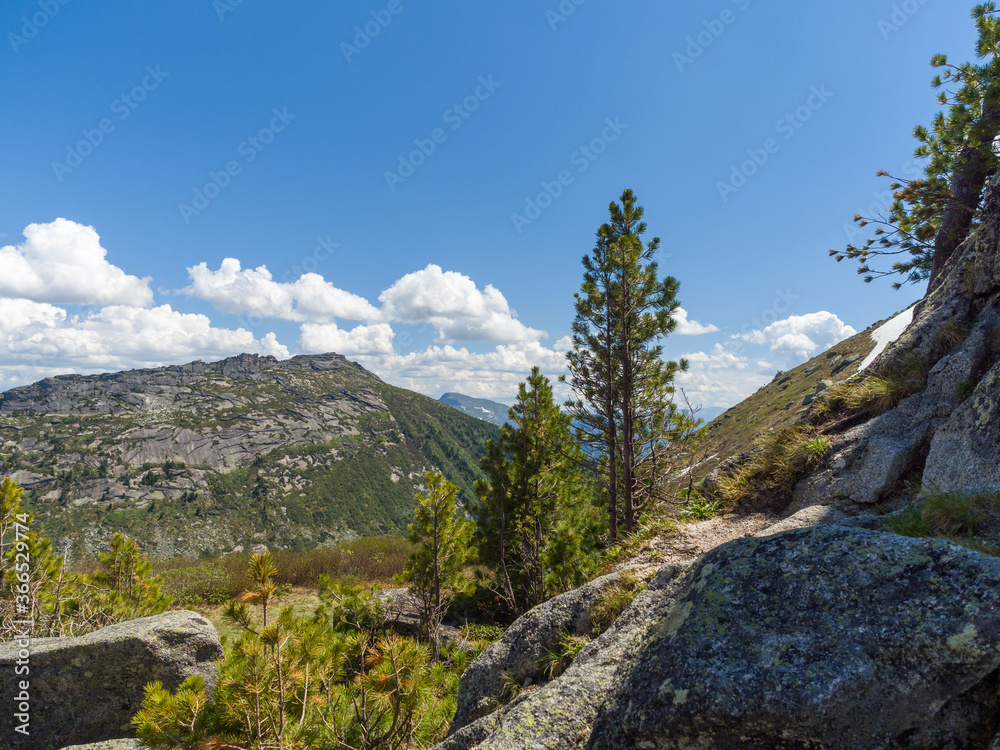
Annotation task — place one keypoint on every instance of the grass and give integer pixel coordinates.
(970, 520)
(782, 459)
(656, 521)
(555, 661)
(613, 601)
(875, 394)
(778, 404)
(699, 508)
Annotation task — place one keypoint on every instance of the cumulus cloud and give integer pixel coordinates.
(726, 375)
(62, 262)
(493, 374)
(801, 336)
(254, 292)
(118, 337)
(362, 339)
(719, 358)
(456, 307)
(688, 327)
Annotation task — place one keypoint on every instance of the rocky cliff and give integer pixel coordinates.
(209, 457)
(946, 436)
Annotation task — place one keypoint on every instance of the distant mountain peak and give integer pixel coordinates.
(480, 408)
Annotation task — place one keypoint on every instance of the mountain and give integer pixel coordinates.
(480, 408)
(202, 458)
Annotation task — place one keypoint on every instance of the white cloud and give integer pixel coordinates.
(453, 304)
(16, 314)
(254, 292)
(800, 336)
(362, 339)
(719, 358)
(687, 327)
(63, 262)
(117, 337)
(728, 374)
(493, 374)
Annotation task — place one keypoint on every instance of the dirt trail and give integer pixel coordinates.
(692, 540)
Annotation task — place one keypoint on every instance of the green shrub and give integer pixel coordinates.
(698, 508)
(964, 390)
(296, 683)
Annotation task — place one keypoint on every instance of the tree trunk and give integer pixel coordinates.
(967, 182)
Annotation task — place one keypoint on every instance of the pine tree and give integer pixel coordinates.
(444, 546)
(624, 390)
(932, 215)
(537, 520)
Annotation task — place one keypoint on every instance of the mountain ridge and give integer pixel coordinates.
(202, 458)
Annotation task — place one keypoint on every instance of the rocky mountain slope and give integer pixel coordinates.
(480, 408)
(204, 458)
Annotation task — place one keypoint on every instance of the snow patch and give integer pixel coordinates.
(886, 333)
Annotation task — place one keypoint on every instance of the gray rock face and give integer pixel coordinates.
(932, 436)
(828, 637)
(965, 452)
(522, 646)
(109, 745)
(870, 459)
(87, 689)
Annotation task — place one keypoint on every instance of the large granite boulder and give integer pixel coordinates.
(87, 689)
(520, 650)
(825, 637)
(561, 713)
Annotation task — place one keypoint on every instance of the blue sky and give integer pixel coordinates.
(413, 184)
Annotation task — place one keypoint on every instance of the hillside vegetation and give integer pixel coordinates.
(205, 458)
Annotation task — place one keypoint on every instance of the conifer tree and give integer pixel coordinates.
(932, 215)
(623, 387)
(444, 546)
(537, 523)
